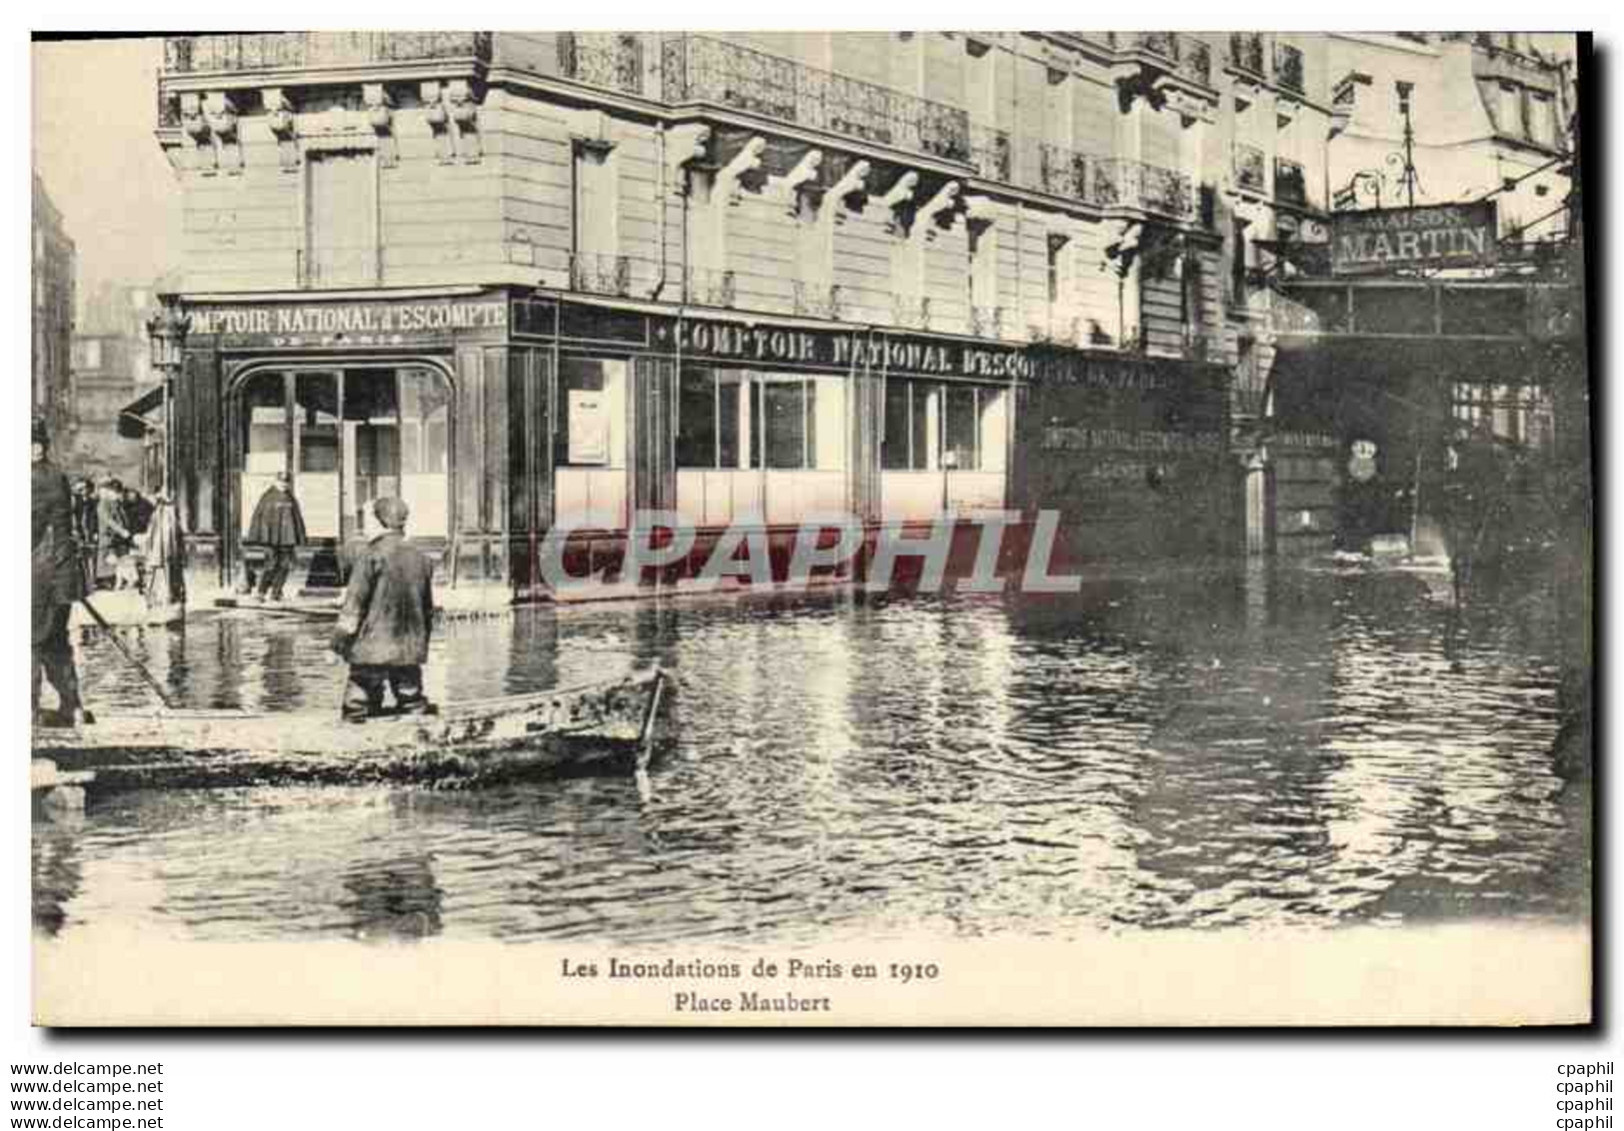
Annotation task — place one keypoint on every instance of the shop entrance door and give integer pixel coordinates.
(349, 437)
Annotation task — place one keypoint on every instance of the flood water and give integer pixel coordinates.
(1199, 750)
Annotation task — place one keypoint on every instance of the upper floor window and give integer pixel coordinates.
(341, 220)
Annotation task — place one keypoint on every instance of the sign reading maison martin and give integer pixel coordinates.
(346, 323)
(1386, 239)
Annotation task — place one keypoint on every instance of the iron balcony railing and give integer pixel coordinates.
(1247, 162)
(1246, 52)
(707, 287)
(910, 313)
(601, 274)
(266, 51)
(1118, 182)
(818, 300)
(1290, 182)
(987, 321)
(698, 68)
(612, 60)
(1062, 172)
(1103, 182)
(1185, 55)
(990, 153)
(1288, 67)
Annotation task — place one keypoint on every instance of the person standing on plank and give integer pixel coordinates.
(278, 525)
(57, 583)
(383, 631)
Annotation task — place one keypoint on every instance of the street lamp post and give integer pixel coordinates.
(166, 333)
(1408, 178)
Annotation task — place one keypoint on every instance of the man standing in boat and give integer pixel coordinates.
(383, 631)
(57, 584)
(278, 525)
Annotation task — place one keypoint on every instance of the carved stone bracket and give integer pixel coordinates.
(925, 219)
(465, 117)
(1122, 243)
(748, 159)
(853, 182)
(279, 119)
(787, 188)
(192, 121)
(381, 117)
(437, 116)
(1285, 111)
(1189, 107)
(898, 196)
(221, 115)
(452, 113)
(684, 145)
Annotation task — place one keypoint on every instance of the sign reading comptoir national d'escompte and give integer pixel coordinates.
(1445, 235)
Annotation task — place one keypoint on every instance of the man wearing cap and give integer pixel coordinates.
(56, 586)
(279, 526)
(383, 631)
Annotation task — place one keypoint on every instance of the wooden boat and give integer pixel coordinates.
(604, 724)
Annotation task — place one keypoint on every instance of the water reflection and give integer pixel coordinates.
(1264, 747)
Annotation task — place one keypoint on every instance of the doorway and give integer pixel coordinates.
(347, 437)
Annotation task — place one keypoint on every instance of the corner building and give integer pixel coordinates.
(525, 280)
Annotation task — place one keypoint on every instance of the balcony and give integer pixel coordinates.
(611, 60)
(706, 287)
(698, 68)
(990, 154)
(1248, 166)
(313, 50)
(1288, 67)
(1290, 183)
(601, 274)
(910, 313)
(818, 300)
(1184, 55)
(1117, 182)
(1246, 52)
(1062, 172)
(987, 321)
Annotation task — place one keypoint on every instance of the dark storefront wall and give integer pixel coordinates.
(1134, 457)
(1411, 398)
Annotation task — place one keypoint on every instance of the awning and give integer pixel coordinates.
(132, 418)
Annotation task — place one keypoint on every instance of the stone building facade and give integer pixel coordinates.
(52, 309)
(534, 280)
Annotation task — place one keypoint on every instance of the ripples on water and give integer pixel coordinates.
(1211, 751)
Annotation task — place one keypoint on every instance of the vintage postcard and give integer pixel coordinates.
(815, 528)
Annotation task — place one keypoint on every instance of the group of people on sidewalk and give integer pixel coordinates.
(112, 523)
(383, 627)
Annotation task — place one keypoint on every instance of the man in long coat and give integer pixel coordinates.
(384, 629)
(57, 585)
(278, 525)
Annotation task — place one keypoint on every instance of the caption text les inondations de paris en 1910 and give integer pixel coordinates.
(769, 985)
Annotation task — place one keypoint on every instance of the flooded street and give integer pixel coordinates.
(1203, 750)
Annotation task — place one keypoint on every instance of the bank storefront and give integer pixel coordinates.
(502, 414)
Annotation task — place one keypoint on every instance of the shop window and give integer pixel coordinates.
(352, 438)
(961, 446)
(787, 409)
(912, 423)
(589, 444)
